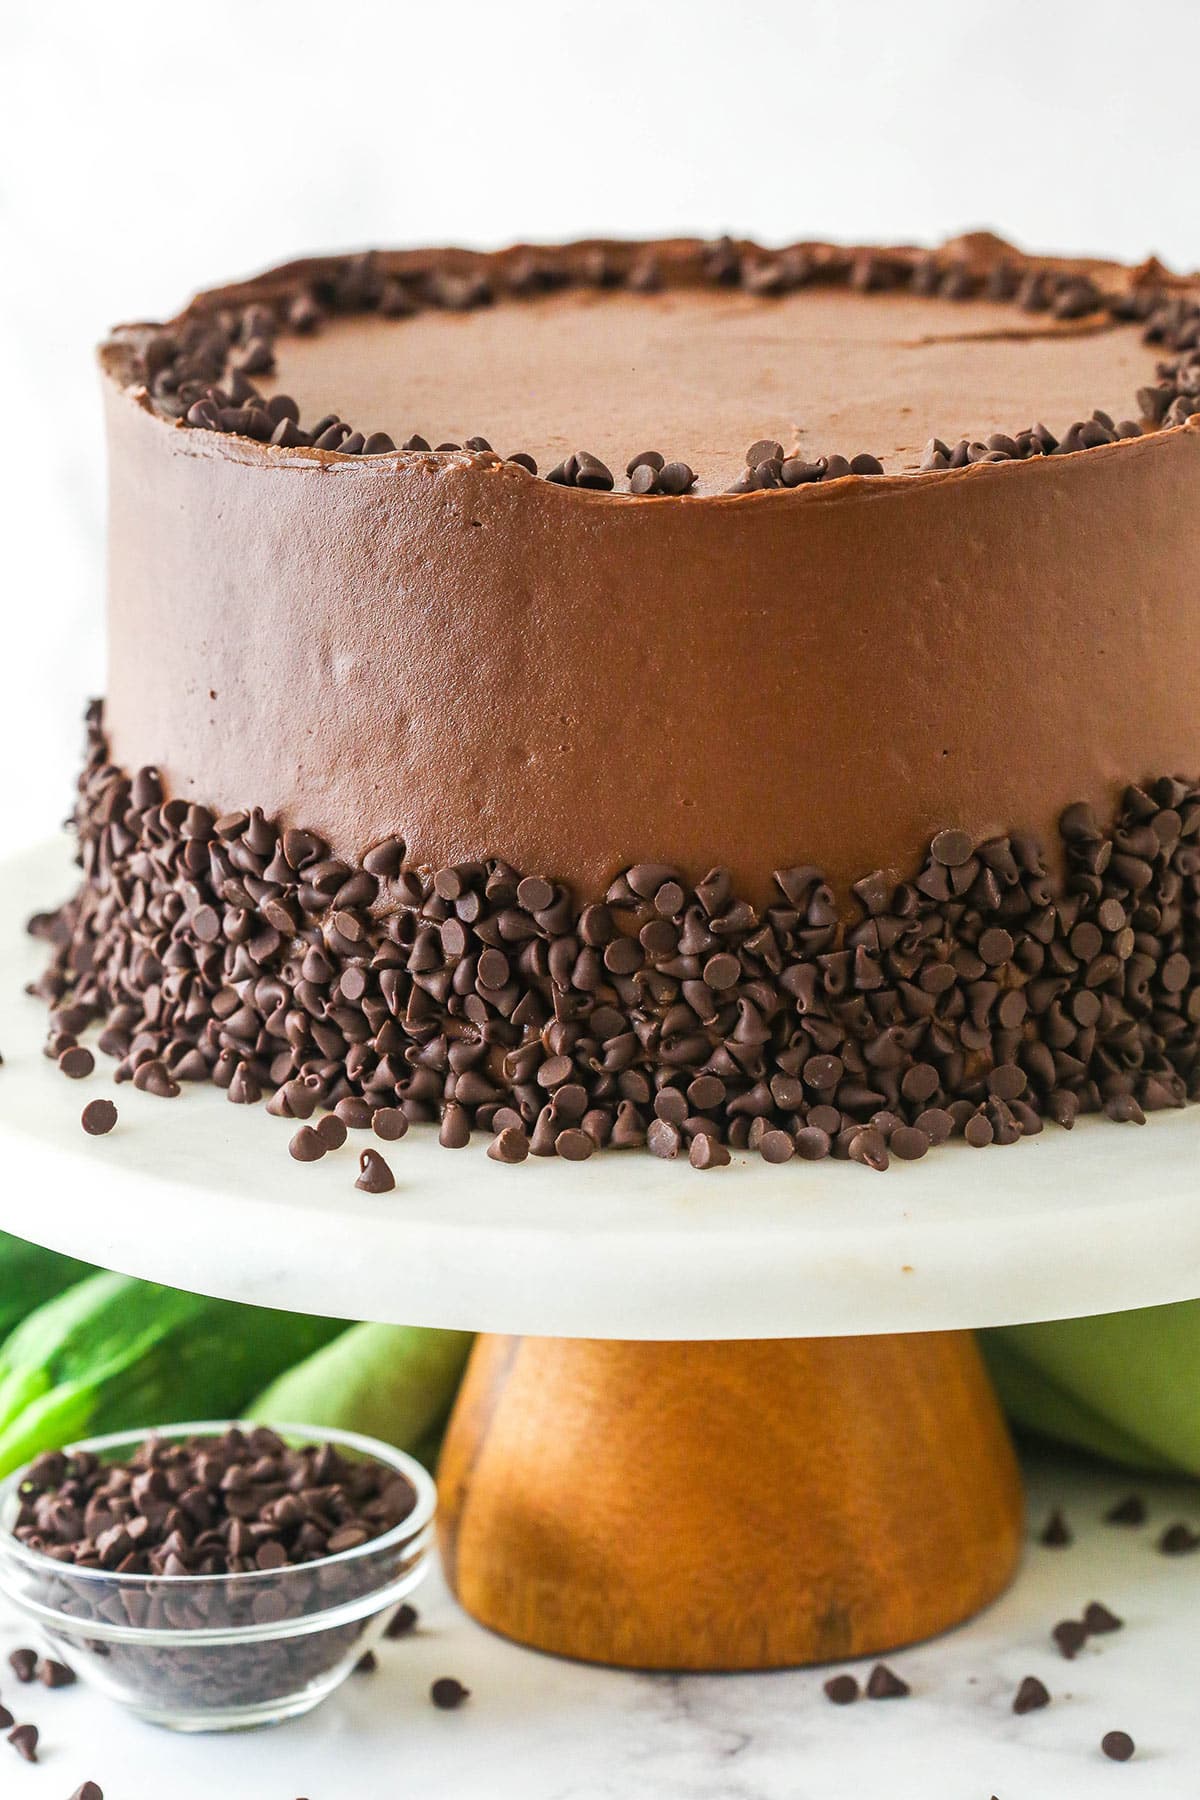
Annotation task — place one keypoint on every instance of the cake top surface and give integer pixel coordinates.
(738, 367)
(698, 375)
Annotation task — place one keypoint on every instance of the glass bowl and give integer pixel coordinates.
(221, 1652)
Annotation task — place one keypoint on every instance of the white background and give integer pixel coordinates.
(147, 149)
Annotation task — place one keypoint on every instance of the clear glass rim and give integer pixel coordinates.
(412, 1526)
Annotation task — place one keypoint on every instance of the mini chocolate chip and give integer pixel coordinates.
(812, 1143)
(307, 1145)
(455, 1133)
(1031, 1696)
(1178, 1540)
(776, 1146)
(402, 1621)
(841, 1689)
(23, 1663)
(77, 1062)
(98, 1117)
(884, 1684)
(1055, 1533)
(908, 1142)
(389, 1123)
(663, 1139)
(511, 1145)
(763, 450)
(707, 1152)
(88, 1790)
(1070, 1636)
(331, 1131)
(951, 848)
(574, 1145)
(24, 1741)
(1118, 1746)
(56, 1674)
(1130, 1511)
(676, 478)
(1098, 1619)
(375, 1177)
(447, 1693)
(367, 1663)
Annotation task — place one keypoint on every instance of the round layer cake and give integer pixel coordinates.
(678, 693)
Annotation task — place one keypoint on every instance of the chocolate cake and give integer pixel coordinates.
(779, 732)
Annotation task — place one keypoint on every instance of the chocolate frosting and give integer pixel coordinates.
(443, 648)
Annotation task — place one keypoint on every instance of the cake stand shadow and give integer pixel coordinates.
(726, 1421)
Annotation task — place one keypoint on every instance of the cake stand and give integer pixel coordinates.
(733, 1420)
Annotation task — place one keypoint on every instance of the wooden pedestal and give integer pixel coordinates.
(727, 1505)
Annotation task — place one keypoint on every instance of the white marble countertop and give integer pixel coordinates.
(539, 1729)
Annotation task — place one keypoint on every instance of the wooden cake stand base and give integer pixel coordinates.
(747, 1505)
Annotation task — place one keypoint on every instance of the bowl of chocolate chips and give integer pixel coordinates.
(212, 1577)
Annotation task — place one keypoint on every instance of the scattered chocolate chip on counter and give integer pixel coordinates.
(402, 1622)
(884, 1684)
(367, 1663)
(842, 1690)
(1130, 1511)
(1070, 1636)
(6, 1718)
(1031, 1696)
(447, 1693)
(23, 1664)
(77, 1062)
(1098, 1619)
(1118, 1746)
(88, 1790)
(1179, 1540)
(54, 1674)
(1055, 1533)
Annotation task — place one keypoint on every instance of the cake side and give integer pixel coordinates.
(490, 666)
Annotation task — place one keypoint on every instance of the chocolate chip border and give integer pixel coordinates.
(202, 371)
(975, 1000)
